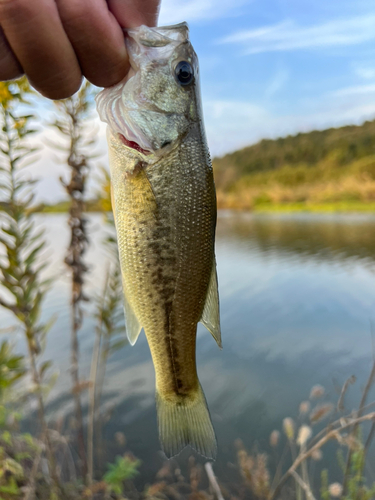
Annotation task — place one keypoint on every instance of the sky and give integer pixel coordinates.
(268, 68)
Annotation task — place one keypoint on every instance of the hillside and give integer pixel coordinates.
(333, 166)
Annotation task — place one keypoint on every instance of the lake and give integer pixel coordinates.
(297, 294)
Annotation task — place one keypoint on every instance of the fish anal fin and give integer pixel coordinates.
(211, 314)
(132, 325)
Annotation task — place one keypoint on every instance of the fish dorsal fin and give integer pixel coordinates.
(132, 325)
(210, 316)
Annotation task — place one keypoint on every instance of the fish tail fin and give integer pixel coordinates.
(186, 422)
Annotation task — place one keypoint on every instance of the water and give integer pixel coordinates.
(297, 298)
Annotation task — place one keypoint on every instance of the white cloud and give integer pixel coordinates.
(277, 82)
(176, 11)
(356, 90)
(231, 125)
(51, 163)
(365, 71)
(287, 35)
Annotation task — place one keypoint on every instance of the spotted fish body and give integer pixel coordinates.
(165, 212)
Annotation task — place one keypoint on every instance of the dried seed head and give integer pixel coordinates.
(320, 412)
(120, 438)
(353, 443)
(335, 489)
(304, 407)
(274, 438)
(317, 391)
(238, 444)
(261, 476)
(317, 455)
(288, 426)
(304, 434)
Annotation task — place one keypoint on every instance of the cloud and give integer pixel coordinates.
(176, 11)
(277, 82)
(231, 125)
(365, 71)
(287, 35)
(356, 90)
(51, 163)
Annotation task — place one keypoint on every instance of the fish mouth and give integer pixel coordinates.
(118, 105)
(133, 145)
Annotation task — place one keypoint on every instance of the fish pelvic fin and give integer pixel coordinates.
(186, 422)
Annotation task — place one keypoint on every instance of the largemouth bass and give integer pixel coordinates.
(164, 203)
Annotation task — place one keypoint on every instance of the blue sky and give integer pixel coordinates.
(271, 68)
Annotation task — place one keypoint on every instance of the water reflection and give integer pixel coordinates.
(325, 237)
(297, 300)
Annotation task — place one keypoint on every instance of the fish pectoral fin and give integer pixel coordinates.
(211, 315)
(132, 325)
(141, 192)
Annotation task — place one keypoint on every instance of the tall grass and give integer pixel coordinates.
(23, 286)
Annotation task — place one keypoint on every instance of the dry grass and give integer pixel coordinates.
(325, 183)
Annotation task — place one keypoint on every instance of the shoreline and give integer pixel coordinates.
(344, 207)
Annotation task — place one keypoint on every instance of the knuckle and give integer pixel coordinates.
(74, 12)
(8, 73)
(58, 89)
(108, 78)
(9, 66)
(13, 9)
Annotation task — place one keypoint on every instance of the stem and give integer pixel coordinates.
(92, 387)
(74, 258)
(30, 494)
(303, 456)
(76, 391)
(213, 481)
(41, 410)
(355, 427)
(305, 486)
(305, 477)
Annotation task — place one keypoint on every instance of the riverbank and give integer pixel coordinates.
(319, 208)
(330, 170)
(343, 207)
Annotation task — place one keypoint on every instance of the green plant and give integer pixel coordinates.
(21, 270)
(123, 469)
(12, 368)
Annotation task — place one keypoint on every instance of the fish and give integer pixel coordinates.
(164, 205)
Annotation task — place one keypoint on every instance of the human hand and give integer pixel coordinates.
(56, 42)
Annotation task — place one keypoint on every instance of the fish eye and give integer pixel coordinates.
(184, 73)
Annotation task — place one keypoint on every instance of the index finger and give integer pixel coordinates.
(97, 38)
(37, 37)
(133, 13)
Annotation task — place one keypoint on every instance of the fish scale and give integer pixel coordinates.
(165, 213)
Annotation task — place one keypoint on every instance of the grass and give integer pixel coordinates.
(332, 170)
(343, 207)
(62, 207)
(327, 186)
